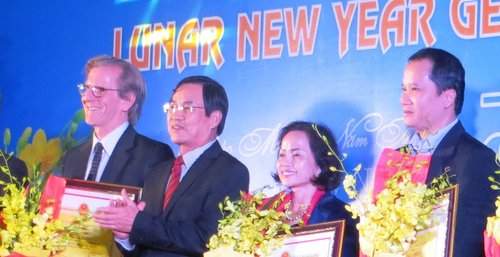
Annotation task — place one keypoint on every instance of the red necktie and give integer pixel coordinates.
(173, 181)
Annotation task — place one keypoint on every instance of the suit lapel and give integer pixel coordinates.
(119, 156)
(81, 160)
(444, 152)
(195, 172)
(157, 190)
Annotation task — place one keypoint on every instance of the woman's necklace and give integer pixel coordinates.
(295, 217)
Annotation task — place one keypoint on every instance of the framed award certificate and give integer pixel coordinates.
(80, 194)
(318, 240)
(437, 241)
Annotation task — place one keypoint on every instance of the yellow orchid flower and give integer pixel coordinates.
(43, 152)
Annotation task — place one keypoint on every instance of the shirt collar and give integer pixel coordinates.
(429, 144)
(110, 140)
(191, 156)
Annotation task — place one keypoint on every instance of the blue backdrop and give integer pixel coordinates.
(335, 62)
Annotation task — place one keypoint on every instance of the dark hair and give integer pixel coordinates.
(130, 81)
(447, 72)
(214, 97)
(326, 179)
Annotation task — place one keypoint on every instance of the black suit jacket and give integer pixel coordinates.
(469, 162)
(184, 227)
(17, 169)
(132, 158)
(330, 208)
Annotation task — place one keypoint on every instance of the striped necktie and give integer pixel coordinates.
(95, 162)
(173, 181)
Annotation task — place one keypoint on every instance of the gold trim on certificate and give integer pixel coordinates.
(452, 219)
(437, 241)
(319, 240)
(80, 194)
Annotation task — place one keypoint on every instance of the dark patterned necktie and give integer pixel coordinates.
(173, 181)
(95, 162)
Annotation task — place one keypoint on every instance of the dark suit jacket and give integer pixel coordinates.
(330, 208)
(17, 169)
(469, 162)
(132, 158)
(184, 227)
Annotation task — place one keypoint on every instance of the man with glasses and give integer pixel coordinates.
(112, 97)
(181, 197)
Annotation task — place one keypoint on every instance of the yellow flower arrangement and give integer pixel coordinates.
(401, 210)
(389, 226)
(24, 227)
(493, 223)
(41, 151)
(247, 230)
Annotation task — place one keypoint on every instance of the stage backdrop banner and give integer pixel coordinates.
(335, 62)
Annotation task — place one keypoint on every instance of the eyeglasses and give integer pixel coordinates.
(96, 91)
(185, 108)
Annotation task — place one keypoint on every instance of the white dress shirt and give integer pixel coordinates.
(109, 143)
(429, 144)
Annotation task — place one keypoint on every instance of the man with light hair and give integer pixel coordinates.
(112, 97)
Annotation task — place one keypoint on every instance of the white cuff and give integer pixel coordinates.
(125, 243)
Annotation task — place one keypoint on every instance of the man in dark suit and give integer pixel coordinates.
(112, 98)
(16, 167)
(432, 97)
(179, 217)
